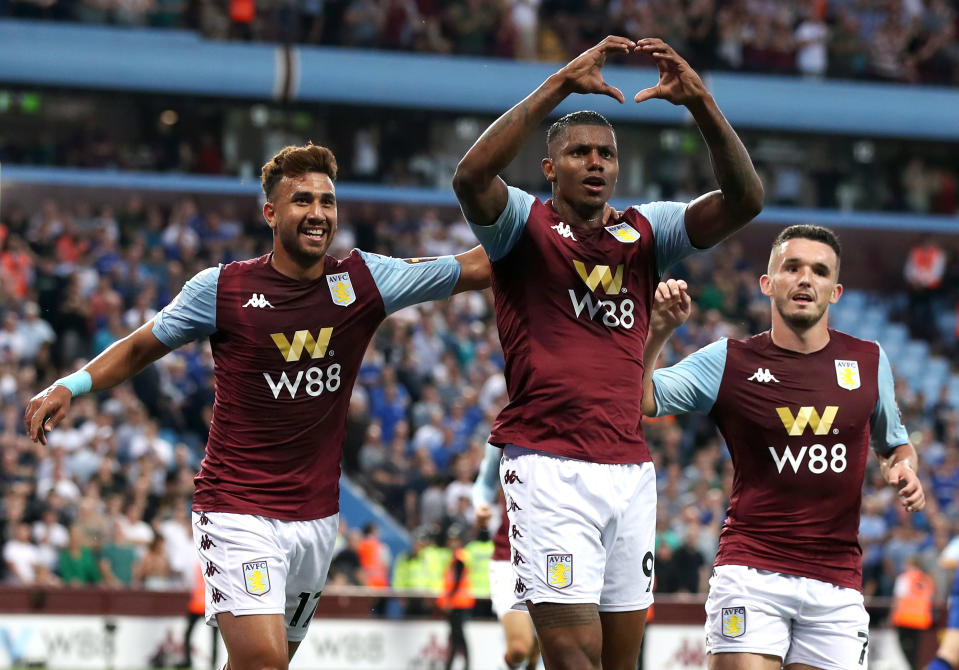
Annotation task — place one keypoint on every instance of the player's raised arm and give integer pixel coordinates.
(671, 308)
(119, 362)
(481, 192)
(714, 216)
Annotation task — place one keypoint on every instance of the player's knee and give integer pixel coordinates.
(517, 651)
(573, 654)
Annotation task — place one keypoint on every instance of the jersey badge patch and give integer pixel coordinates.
(341, 289)
(256, 578)
(559, 570)
(847, 374)
(623, 232)
(734, 621)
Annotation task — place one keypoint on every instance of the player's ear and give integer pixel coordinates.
(549, 170)
(766, 285)
(269, 213)
(836, 292)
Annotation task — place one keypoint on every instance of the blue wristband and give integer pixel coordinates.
(78, 383)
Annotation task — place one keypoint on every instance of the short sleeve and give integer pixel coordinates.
(668, 220)
(404, 282)
(691, 385)
(499, 238)
(192, 313)
(886, 429)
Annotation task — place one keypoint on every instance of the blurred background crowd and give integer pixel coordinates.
(106, 502)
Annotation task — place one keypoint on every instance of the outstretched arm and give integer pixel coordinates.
(118, 363)
(714, 216)
(899, 470)
(480, 190)
(671, 308)
(474, 270)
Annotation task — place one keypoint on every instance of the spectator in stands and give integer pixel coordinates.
(924, 271)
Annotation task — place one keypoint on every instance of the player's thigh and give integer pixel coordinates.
(518, 630)
(255, 641)
(629, 539)
(310, 548)
(749, 611)
(736, 661)
(622, 638)
(556, 510)
(832, 632)
(949, 647)
(570, 635)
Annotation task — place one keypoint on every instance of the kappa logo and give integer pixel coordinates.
(762, 375)
(303, 339)
(612, 282)
(511, 477)
(734, 621)
(564, 230)
(341, 289)
(847, 375)
(258, 300)
(559, 570)
(795, 425)
(623, 232)
(257, 577)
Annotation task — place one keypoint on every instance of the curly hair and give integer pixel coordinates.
(294, 161)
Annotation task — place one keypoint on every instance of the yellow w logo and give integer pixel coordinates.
(302, 339)
(601, 274)
(807, 415)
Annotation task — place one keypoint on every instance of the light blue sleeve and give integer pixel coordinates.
(192, 313)
(668, 220)
(406, 282)
(692, 384)
(499, 238)
(487, 480)
(885, 424)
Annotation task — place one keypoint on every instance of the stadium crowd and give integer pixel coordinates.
(888, 40)
(107, 502)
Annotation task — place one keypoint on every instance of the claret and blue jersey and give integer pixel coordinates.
(798, 428)
(286, 355)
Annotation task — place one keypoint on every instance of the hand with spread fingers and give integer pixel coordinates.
(584, 73)
(678, 82)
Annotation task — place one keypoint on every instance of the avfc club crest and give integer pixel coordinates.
(623, 232)
(256, 577)
(341, 289)
(734, 621)
(559, 570)
(847, 374)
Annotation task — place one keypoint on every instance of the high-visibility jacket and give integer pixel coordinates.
(912, 608)
(437, 559)
(198, 594)
(457, 595)
(480, 554)
(411, 572)
(370, 552)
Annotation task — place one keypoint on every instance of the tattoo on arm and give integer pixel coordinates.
(555, 615)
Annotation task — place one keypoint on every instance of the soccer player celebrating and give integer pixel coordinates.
(288, 331)
(573, 281)
(798, 407)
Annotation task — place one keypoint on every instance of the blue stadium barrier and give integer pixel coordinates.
(357, 509)
(362, 192)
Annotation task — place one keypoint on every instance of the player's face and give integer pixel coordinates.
(583, 165)
(803, 281)
(302, 214)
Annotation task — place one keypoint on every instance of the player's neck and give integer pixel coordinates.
(289, 267)
(801, 340)
(589, 218)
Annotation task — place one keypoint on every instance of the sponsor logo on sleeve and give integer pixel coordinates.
(734, 621)
(559, 570)
(341, 289)
(256, 578)
(847, 375)
(623, 232)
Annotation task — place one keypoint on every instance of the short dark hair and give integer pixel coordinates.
(808, 231)
(295, 161)
(584, 117)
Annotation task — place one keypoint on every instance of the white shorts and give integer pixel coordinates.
(798, 619)
(257, 565)
(501, 583)
(581, 532)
